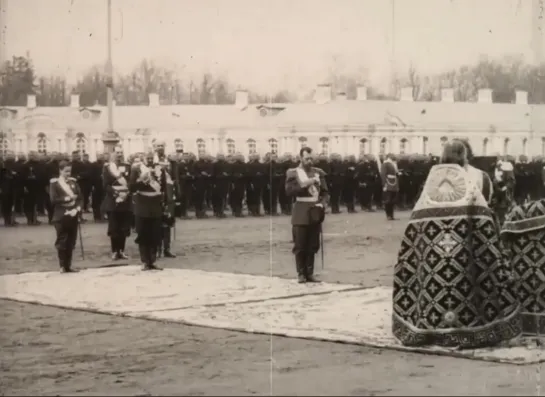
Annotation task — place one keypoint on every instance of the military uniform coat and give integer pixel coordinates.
(388, 175)
(305, 198)
(147, 197)
(60, 194)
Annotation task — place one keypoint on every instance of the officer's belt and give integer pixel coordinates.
(306, 199)
(149, 194)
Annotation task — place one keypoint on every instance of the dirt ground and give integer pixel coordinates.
(48, 351)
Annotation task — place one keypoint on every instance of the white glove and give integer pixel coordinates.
(71, 212)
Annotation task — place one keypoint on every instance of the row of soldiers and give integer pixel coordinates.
(230, 182)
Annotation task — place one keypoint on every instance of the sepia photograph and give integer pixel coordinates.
(288, 197)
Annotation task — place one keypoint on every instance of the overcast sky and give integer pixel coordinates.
(266, 43)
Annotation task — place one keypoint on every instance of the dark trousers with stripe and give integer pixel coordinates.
(149, 235)
(67, 235)
(306, 243)
(119, 228)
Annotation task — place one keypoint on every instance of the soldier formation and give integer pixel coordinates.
(218, 185)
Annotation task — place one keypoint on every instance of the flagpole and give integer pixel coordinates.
(538, 27)
(110, 138)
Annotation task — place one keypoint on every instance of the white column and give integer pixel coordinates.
(498, 144)
(31, 142)
(344, 143)
(394, 144)
(91, 150)
(355, 149)
(415, 144)
(374, 145)
(221, 145)
(18, 144)
(25, 146)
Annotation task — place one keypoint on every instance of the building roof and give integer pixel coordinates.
(155, 118)
(415, 114)
(428, 115)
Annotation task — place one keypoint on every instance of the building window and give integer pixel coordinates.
(525, 146)
(364, 146)
(425, 145)
(4, 144)
(302, 142)
(154, 144)
(506, 147)
(382, 148)
(543, 146)
(324, 146)
(81, 143)
(273, 146)
(178, 145)
(485, 146)
(41, 144)
(403, 146)
(231, 148)
(201, 148)
(252, 147)
(444, 141)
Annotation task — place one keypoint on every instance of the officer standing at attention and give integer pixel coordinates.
(308, 185)
(117, 202)
(66, 200)
(390, 185)
(160, 168)
(145, 185)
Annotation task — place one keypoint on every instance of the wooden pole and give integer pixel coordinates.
(110, 139)
(538, 28)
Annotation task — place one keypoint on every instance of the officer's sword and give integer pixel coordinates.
(322, 244)
(81, 241)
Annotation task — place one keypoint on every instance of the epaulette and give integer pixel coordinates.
(291, 170)
(53, 180)
(319, 171)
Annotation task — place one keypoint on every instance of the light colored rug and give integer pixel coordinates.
(329, 312)
(360, 317)
(125, 290)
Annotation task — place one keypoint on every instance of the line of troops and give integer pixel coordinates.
(229, 183)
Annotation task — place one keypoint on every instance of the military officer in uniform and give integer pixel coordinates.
(67, 201)
(307, 184)
(117, 203)
(145, 185)
(168, 190)
(390, 185)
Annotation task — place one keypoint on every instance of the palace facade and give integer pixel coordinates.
(346, 127)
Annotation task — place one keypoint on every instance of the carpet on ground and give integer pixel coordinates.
(257, 304)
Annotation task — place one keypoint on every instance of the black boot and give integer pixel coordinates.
(166, 243)
(69, 269)
(61, 254)
(114, 245)
(159, 249)
(121, 248)
(144, 257)
(153, 258)
(310, 268)
(300, 265)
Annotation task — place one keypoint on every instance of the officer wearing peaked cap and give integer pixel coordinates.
(147, 188)
(307, 184)
(66, 198)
